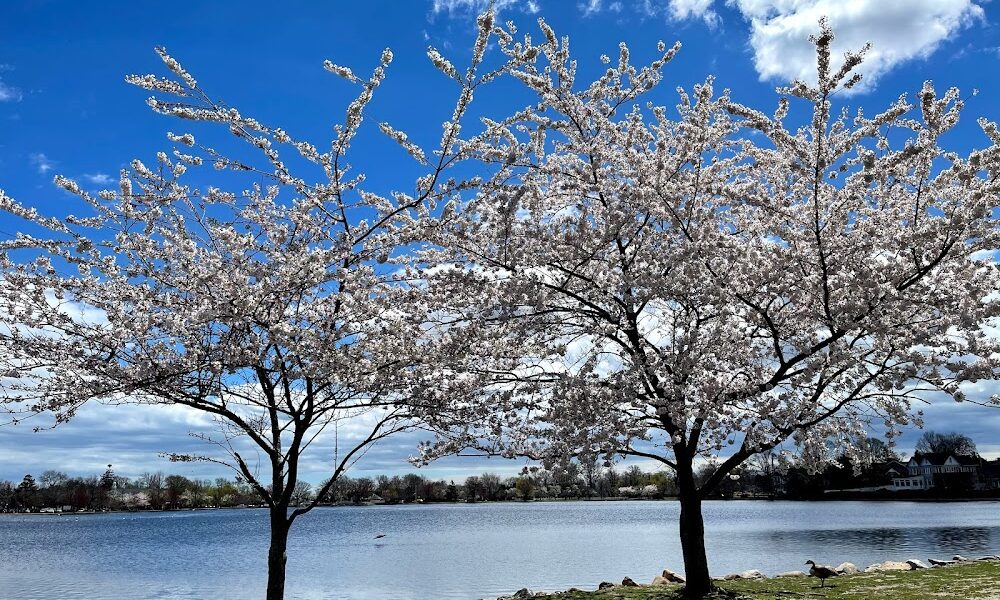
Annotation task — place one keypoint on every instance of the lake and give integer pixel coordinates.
(460, 551)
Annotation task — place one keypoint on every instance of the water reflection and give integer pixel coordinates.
(965, 539)
(939, 541)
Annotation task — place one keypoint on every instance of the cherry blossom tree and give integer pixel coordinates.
(712, 283)
(277, 308)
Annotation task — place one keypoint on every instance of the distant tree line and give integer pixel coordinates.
(150, 491)
(768, 475)
(157, 491)
(576, 481)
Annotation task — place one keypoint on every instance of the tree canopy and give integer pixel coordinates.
(604, 276)
(713, 281)
(272, 299)
(946, 443)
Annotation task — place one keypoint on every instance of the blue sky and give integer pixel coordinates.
(64, 108)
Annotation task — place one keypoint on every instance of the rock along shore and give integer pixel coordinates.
(846, 569)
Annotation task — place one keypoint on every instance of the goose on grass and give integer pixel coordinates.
(822, 571)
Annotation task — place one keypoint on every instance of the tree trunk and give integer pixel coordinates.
(277, 554)
(692, 526)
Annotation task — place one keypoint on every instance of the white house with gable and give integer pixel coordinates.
(922, 469)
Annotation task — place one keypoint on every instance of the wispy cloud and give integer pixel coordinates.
(98, 178)
(591, 7)
(478, 6)
(9, 93)
(694, 9)
(464, 8)
(41, 162)
(676, 10)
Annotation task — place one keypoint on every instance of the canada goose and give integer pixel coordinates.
(381, 535)
(821, 571)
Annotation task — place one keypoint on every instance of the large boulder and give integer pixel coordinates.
(671, 576)
(959, 558)
(847, 568)
(916, 564)
(522, 594)
(989, 558)
(940, 563)
(751, 574)
(667, 577)
(889, 565)
(605, 585)
(792, 574)
(627, 582)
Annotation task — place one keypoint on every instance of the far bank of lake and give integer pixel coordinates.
(832, 496)
(462, 551)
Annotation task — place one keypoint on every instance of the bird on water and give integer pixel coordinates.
(822, 571)
(381, 535)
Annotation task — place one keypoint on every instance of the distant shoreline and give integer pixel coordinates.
(80, 513)
(873, 498)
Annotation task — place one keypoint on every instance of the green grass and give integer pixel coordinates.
(974, 581)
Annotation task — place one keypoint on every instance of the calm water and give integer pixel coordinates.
(460, 551)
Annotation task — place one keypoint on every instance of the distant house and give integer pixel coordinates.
(898, 473)
(989, 477)
(901, 484)
(895, 468)
(928, 470)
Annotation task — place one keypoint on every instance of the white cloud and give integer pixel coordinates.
(694, 9)
(478, 6)
(900, 30)
(591, 7)
(41, 162)
(9, 93)
(586, 7)
(98, 178)
(677, 10)
(133, 436)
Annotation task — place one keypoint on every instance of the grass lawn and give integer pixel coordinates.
(974, 581)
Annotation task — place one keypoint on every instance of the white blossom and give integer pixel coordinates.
(714, 284)
(340, 71)
(264, 303)
(400, 138)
